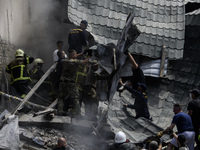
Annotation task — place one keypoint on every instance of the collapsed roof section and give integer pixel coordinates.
(162, 23)
(183, 75)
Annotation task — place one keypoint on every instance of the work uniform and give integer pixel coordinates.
(140, 104)
(68, 86)
(19, 74)
(35, 74)
(138, 76)
(76, 39)
(80, 80)
(89, 89)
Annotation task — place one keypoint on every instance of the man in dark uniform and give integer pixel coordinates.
(19, 72)
(194, 111)
(138, 75)
(140, 105)
(77, 37)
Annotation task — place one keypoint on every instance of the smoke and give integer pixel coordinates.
(43, 28)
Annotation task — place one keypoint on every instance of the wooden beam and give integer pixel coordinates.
(162, 63)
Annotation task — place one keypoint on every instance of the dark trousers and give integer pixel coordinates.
(21, 88)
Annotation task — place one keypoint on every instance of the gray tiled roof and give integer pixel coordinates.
(183, 75)
(160, 22)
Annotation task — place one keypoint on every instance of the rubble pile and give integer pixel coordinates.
(46, 138)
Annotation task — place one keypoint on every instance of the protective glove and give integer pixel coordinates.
(160, 134)
(90, 53)
(171, 131)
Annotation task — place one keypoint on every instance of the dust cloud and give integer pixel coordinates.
(44, 28)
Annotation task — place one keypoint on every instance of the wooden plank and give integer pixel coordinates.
(162, 63)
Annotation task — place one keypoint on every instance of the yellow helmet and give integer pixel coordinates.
(19, 52)
(38, 61)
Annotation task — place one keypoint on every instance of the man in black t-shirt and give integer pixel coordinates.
(138, 75)
(194, 111)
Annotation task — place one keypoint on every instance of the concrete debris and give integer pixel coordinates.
(47, 138)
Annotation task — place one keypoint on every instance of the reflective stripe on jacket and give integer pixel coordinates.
(18, 70)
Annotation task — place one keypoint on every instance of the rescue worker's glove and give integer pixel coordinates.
(160, 134)
(88, 52)
(171, 131)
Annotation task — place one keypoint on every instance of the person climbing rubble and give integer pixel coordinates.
(68, 85)
(137, 74)
(36, 73)
(121, 143)
(183, 122)
(140, 105)
(18, 69)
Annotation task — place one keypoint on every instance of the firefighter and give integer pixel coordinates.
(19, 72)
(36, 73)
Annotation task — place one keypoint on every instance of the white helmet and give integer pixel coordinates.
(120, 137)
(19, 52)
(38, 61)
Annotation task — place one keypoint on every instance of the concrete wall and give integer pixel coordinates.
(34, 26)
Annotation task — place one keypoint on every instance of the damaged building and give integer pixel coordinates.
(167, 50)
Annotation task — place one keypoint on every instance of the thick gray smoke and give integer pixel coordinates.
(44, 28)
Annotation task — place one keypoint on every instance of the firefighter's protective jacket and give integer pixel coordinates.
(18, 69)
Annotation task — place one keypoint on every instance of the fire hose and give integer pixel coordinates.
(19, 99)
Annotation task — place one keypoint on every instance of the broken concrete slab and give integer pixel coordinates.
(58, 122)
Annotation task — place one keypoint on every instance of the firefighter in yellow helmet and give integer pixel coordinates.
(19, 72)
(36, 73)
